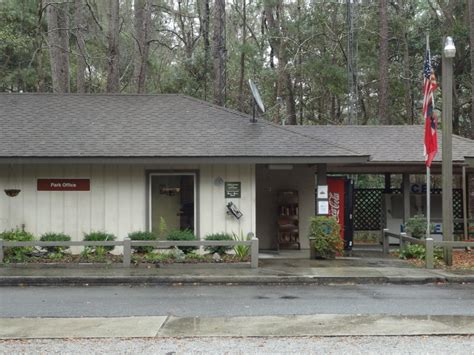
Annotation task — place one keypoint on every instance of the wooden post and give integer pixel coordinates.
(385, 242)
(447, 155)
(402, 241)
(254, 253)
(1, 251)
(429, 257)
(406, 198)
(322, 180)
(127, 252)
(464, 203)
(388, 183)
(322, 174)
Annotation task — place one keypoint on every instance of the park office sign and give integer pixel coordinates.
(63, 185)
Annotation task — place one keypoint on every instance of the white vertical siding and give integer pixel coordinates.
(117, 202)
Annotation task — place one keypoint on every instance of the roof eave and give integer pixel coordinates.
(189, 160)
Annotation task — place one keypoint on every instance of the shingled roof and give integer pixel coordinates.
(111, 126)
(386, 144)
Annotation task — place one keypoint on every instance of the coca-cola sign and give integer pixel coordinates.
(336, 201)
(334, 205)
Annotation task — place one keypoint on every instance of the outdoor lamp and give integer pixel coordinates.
(449, 48)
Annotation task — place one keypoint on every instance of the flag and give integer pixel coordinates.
(431, 124)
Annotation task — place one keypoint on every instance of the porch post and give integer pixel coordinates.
(464, 203)
(322, 174)
(322, 180)
(406, 197)
(388, 183)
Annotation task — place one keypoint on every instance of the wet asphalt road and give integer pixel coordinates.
(213, 301)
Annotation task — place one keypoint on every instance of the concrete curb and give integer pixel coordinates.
(222, 280)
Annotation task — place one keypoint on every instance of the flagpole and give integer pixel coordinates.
(428, 202)
(428, 172)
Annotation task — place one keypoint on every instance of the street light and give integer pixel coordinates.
(449, 52)
(449, 48)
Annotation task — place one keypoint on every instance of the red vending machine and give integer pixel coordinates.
(340, 195)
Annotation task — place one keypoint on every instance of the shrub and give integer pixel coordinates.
(162, 228)
(221, 250)
(17, 254)
(416, 251)
(100, 236)
(241, 251)
(142, 236)
(413, 251)
(55, 237)
(416, 226)
(182, 235)
(326, 234)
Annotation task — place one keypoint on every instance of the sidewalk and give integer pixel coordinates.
(272, 270)
(258, 326)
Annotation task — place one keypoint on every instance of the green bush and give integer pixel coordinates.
(413, 251)
(241, 251)
(416, 226)
(100, 236)
(17, 254)
(55, 237)
(326, 234)
(142, 236)
(182, 235)
(416, 251)
(221, 250)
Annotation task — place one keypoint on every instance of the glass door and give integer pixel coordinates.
(172, 201)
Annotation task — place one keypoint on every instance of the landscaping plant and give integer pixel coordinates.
(241, 251)
(221, 250)
(55, 237)
(325, 232)
(417, 251)
(142, 236)
(182, 235)
(100, 236)
(416, 226)
(17, 254)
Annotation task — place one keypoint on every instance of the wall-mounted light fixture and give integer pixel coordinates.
(12, 192)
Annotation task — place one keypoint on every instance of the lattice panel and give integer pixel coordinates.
(457, 208)
(368, 209)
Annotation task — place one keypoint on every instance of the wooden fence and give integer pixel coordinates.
(428, 243)
(128, 244)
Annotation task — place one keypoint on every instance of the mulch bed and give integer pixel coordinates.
(462, 260)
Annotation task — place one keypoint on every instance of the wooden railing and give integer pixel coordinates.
(428, 243)
(128, 244)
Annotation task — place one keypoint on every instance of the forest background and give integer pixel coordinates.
(315, 62)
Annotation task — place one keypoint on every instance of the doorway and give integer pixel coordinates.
(172, 201)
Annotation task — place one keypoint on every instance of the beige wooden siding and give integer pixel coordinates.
(117, 202)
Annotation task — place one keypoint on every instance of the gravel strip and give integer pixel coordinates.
(263, 345)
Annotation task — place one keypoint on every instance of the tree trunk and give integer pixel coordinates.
(142, 24)
(219, 52)
(204, 28)
(113, 75)
(383, 109)
(471, 41)
(39, 52)
(278, 45)
(242, 57)
(57, 13)
(79, 24)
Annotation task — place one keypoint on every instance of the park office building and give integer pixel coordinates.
(122, 163)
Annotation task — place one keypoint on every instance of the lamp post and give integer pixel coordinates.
(449, 52)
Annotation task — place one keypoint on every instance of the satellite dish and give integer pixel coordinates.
(256, 95)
